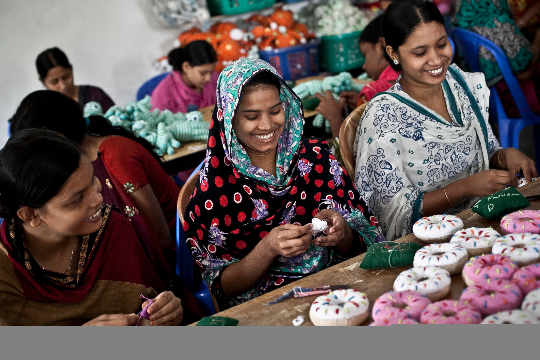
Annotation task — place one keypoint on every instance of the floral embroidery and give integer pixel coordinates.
(130, 188)
(131, 211)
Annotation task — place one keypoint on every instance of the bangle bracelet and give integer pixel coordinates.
(447, 197)
(499, 159)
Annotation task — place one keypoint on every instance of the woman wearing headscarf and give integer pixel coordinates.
(248, 223)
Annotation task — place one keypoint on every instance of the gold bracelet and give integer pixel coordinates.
(447, 197)
(499, 159)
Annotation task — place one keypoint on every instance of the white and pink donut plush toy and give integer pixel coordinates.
(512, 317)
(431, 281)
(344, 307)
(531, 302)
(477, 241)
(524, 249)
(437, 228)
(449, 256)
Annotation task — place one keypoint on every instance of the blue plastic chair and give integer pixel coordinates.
(184, 266)
(509, 128)
(148, 87)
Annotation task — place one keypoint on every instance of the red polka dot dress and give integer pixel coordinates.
(235, 204)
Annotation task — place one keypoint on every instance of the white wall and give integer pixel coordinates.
(111, 44)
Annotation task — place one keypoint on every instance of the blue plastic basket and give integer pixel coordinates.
(294, 62)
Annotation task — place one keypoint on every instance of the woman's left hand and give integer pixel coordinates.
(337, 231)
(166, 310)
(516, 161)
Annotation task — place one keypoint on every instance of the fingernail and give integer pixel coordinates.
(151, 318)
(153, 323)
(149, 311)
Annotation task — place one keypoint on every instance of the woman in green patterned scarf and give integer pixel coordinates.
(248, 223)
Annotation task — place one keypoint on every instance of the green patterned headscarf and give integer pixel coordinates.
(230, 85)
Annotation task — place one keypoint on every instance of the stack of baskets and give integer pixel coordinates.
(341, 52)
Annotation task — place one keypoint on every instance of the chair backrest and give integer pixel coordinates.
(148, 87)
(347, 133)
(185, 194)
(184, 260)
(469, 43)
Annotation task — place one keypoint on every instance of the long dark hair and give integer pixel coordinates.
(402, 17)
(49, 59)
(58, 112)
(373, 31)
(196, 53)
(34, 166)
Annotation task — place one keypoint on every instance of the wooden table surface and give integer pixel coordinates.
(372, 282)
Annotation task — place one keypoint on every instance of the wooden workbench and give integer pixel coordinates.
(372, 282)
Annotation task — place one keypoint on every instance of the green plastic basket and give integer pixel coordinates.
(232, 7)
(341, 52)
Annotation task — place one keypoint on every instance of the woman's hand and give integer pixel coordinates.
(351, 98)
(289, 240)
(114, 320)
(516, 161)
(331, 109)
(488, 182)
(338, 230)
(166, 310)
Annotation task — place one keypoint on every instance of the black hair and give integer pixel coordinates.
(401, 18)
(34, 166)
(49, 59)
(196, 53)
(47, 109)
(264, 78)
(373, 31)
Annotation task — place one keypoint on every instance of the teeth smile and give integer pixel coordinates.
(265, 137)
(435, 72)
(94, 216)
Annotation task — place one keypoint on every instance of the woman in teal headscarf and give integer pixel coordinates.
(248, 223)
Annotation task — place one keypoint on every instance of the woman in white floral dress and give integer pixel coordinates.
(425, 146)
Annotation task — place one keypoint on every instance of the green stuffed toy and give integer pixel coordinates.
(501, 203)
(390, 254)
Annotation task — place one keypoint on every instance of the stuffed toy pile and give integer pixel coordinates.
(163, 129)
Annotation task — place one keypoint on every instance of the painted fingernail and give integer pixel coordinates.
(149, 311)
(152, 318)
(153, 323)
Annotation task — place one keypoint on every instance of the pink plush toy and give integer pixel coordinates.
(144, 313)
(528, 278)
(492, 296)
(450, 312)
(522, 221)
(491, 266)
(394, 306)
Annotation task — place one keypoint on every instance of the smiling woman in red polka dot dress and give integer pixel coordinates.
(248, 223)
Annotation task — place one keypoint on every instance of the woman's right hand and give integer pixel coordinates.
(488, 182)
(289, 240)
(114, 320)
